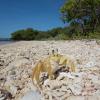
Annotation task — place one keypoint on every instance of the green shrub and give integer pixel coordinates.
(66, 33)
(61, 37)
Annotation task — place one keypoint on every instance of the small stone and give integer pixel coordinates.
(13, 73)
(13, 90)
(31, 95)
(76, 89)
(92, 97)
(76, 98)
(25, 76)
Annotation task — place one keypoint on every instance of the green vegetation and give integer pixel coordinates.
(83, 17)
(31, 34)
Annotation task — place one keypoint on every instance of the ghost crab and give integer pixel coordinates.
(51, 65)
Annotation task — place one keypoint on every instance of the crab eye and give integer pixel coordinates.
(63, 66)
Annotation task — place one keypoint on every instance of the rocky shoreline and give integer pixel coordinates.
(18, 59)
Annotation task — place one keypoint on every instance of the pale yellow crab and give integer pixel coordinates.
(50, 65)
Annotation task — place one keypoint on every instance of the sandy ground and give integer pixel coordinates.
(18, 59)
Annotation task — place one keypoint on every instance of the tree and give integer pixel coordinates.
(28, 34)
(55, 31)
(85, 12)
(42, 35)
(17, 35)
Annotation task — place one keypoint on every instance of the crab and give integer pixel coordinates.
(51, 65)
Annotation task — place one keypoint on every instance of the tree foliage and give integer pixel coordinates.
(31, 34)
(85, 12)
(28, 34)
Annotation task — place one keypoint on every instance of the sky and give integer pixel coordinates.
(22, 14)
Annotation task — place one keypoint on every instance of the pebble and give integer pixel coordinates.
(31, 95)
